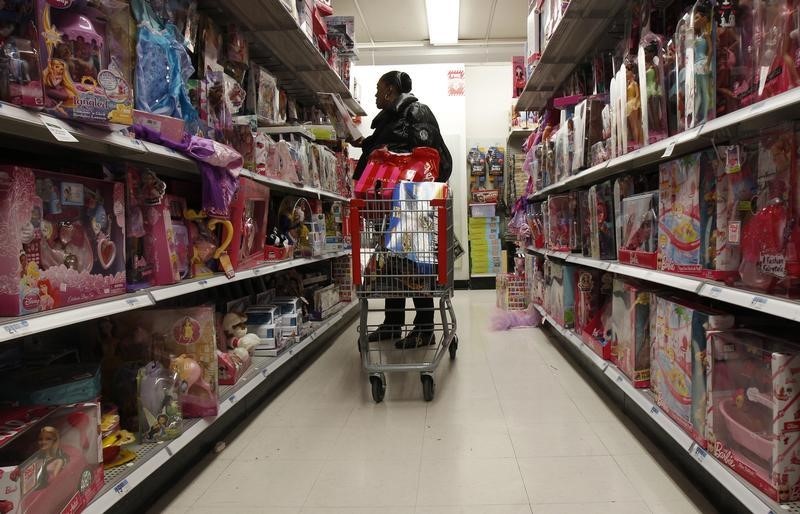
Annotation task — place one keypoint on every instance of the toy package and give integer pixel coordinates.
(476, 164)
(560, 292)
(735, 66)
(639, 230)
(180, 231)
(562, 221)
(593, 309)
(766, 229)
(249, 214)
(21, 81)
(776, 22)
(692, 218)
(632, 329)
(585, 223)
(563, 151)
(65, 240)
(86, 54)
(754, 409)
(602, 241)
(651, 73)
(151, 248)
(210, 239)
(160, 416)
(235, 345)
(699, 52)
(51, 458)
(181, 340)
(679, 361)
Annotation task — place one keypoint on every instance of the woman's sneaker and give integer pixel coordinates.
(415, 339)
(384, 333)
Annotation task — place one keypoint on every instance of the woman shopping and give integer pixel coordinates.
(403, 124)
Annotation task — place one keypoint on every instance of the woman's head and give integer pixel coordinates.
(390, 86)
(48, 439)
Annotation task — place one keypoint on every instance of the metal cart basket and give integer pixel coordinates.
(403, 248)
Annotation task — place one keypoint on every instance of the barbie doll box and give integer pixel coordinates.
(87, 57)
(50, 458)
(752, 425)
(63, 240)
(632, 317)
(679, 361)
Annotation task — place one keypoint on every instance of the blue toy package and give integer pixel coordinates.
(413, 225)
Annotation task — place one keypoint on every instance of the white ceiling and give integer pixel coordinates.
(396, 32)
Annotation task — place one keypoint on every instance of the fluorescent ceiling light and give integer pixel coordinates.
(442, 21)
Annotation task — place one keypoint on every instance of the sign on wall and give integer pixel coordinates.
(455, 82)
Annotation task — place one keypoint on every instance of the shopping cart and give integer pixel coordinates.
(403, 248)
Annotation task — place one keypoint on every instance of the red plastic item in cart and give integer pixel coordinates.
(386, 169)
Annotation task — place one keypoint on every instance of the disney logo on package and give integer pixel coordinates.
(186, 330)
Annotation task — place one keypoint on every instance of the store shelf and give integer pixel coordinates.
(580, 30)
(13, 328)
(288, 187)
(121, 481)
(194, 286)
(750, 120)
(299, 130)
(745, 493)
(278, 43)
(518, 133)
(483, 275)
(776, 306)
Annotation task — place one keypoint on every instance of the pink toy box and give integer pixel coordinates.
(65, 240)
(183, 340)
(632, 320)
(87, 58)
(249, 216)
(560, 292)
(639, 230)
(593, 309)
(50, 458)
(151, 246)
(679, 361)
(562, 222)
(169, 128)
(754, 416)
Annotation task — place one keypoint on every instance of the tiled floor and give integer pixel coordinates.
(514, 429)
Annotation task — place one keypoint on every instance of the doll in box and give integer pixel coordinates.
(633, 107)
(20, 77)
(700, 53)
(651, 74)
(639, 230)
(632, 315)
(775, 45)
(602, 238)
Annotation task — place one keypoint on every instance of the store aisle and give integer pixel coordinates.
(513, 429)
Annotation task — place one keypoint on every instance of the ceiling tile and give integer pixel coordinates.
(473, 19)
(510, 20)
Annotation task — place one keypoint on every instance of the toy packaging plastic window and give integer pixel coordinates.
(632, 328)
(700, 54)
(249, 214)
(562, 213)
(601, 222)
(160, 416)
(584, 214)
(775, 39)
(679, 361)
(754, 409)
(19, 46)
(87, 58)
(66, 240)
(639, 230)
(593, 309)
(652, 77)
(735, 66)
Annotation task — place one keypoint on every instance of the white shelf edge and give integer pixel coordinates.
(484, 275)
(287, 129)
(13, 328)
(195, 285)
(742, 491)
(106, 501)
(289, 186)
(22, 326)
(773, 305)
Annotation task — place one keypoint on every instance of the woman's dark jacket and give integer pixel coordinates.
(407, 125)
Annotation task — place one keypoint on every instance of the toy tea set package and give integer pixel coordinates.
(66, 240)
(86, 54)
(752, 425)
(50, 458)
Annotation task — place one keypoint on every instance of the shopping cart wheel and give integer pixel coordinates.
(453, 347)
(378, 388)
(428, 387)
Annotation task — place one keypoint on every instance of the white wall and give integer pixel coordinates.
(481, 115)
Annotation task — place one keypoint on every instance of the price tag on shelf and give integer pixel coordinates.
(122, 487)
(715, 292)
(264, 372)
(698, 453)
(133, 303)
(691, 134)
(620, 379)
(232, 398)
(670, 148)
(757, 107)
(758, 303)
(168, 450)
(18, 327)
(654, 410)
(57, 129)
(202, 283)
